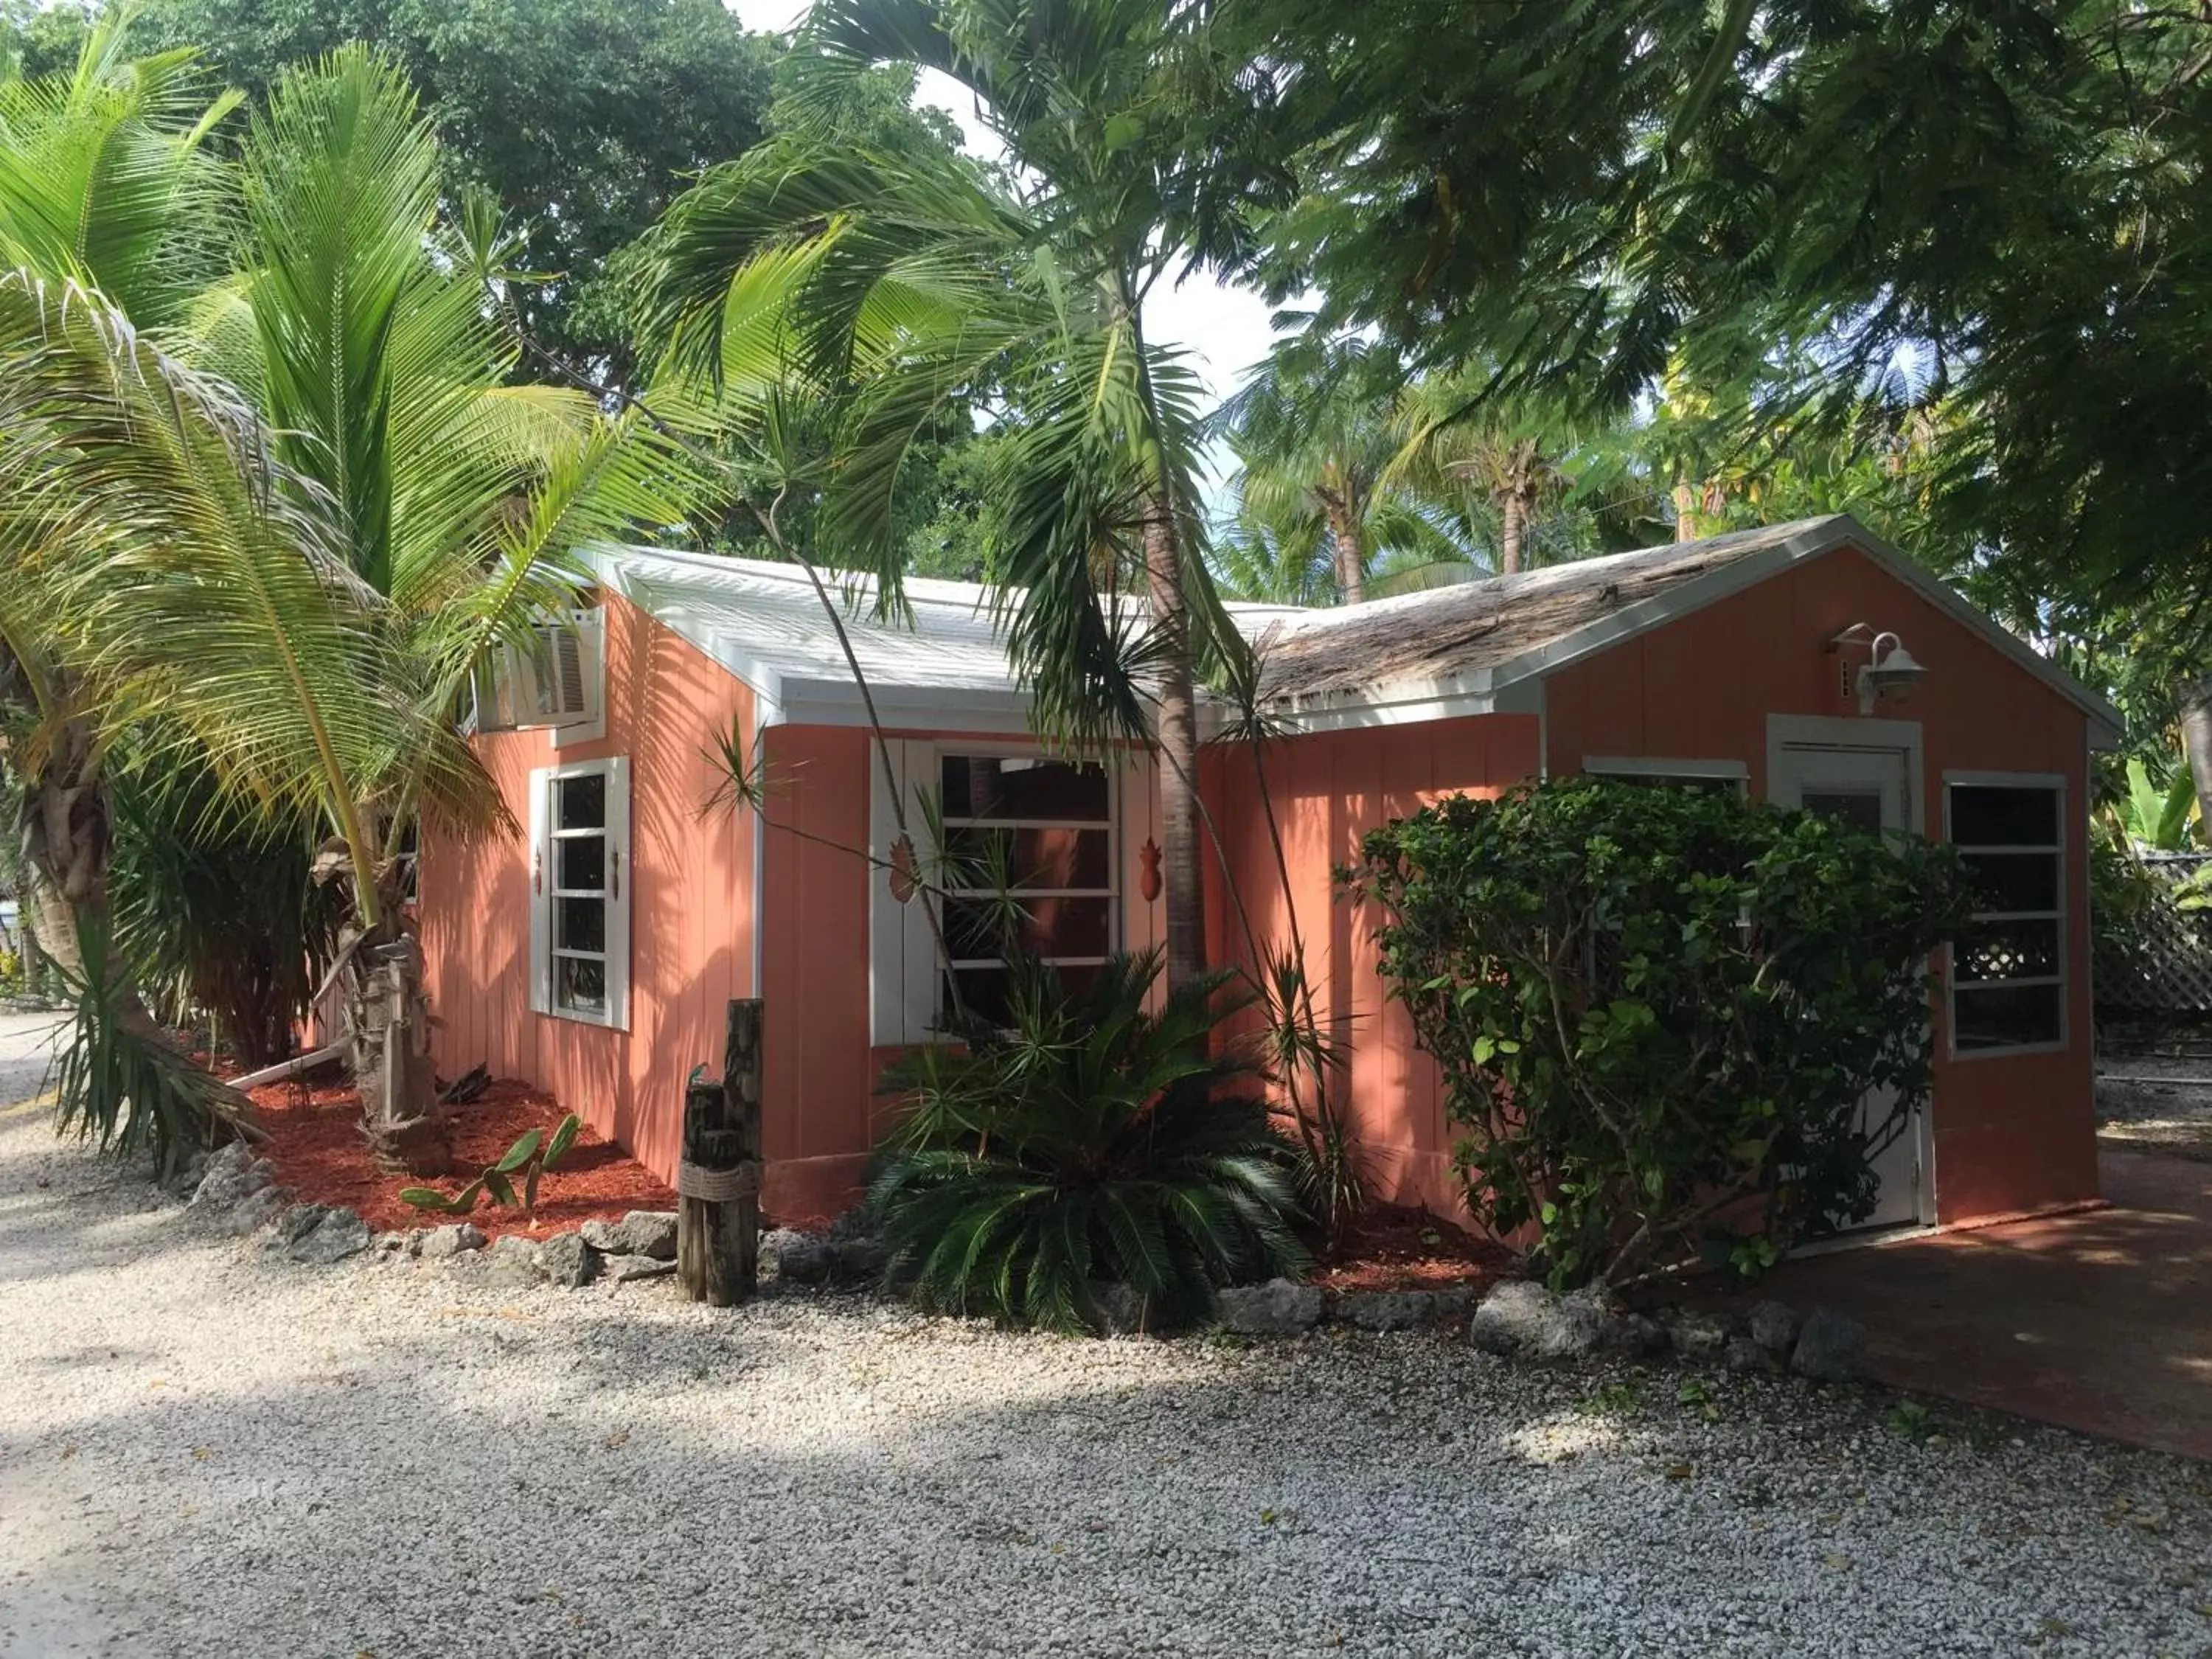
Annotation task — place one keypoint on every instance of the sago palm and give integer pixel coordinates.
(889, 286)
(1096, 1143)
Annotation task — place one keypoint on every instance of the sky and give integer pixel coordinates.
(1224, 327)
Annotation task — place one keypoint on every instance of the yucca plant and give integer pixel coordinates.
(1096, 1143)
(124, 1094)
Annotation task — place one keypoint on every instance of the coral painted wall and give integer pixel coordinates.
(1328, 789)
(2012, 1131)
(690, 879)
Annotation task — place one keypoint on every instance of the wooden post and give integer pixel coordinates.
(718, 1183)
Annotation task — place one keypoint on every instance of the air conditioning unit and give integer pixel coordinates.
(553, 680)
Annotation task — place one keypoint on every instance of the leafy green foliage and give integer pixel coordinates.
(581, 118)
(119, 1082)
(215, 908)
(1658, 1010)
(531, 1157)
(1094, 1144)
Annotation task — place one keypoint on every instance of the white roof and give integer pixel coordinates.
(765, 623)
(1477, 648)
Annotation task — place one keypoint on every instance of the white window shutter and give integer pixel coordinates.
(541, 882)
(902, 954)
(621, 880)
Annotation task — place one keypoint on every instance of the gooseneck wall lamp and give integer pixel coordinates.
(1876, 668)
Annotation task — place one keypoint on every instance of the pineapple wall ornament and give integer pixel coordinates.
(1148, 877)
(905, 871)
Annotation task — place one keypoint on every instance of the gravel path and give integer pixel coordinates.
(205, 1453)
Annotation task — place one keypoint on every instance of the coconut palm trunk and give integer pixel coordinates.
(1512, 531)
(66, 831)
(1350, 544)
(1177, 738)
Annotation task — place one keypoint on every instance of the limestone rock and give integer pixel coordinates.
(1696, 1335)
(1830, 1347)
(1522, 1317)
(806, 1261)
(256, 1210)
(442, 1244)
(567, 1260)
(641, 1232)
(1281, 1307)
(1388, 1310)
(621, 1269)
(1748, 1356)
(232, 1176)
(295, 1224)
(336, 1235)
(1774, 1328)
(511, 1261)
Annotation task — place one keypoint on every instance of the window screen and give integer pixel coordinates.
(582, 876)
(1030, 863)
(2008, 973)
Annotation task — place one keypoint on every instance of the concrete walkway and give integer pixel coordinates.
(2100, 1322)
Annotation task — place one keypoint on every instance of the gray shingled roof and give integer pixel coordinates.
(1447, 633)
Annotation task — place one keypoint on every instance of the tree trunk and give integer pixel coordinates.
(388, 1032)
(1350, 560)
(2196, 744)
(65, 825)
(1685, 513)
(1176, 735)
(1513, 528)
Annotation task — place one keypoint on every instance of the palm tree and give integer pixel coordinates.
(105, 182)
(890, 284)
(1313, 434)
(300, 534)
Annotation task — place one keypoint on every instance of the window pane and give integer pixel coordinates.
(580, 984)
(1050, 928)
(2014, 881)
(1983, 815)
(580, 803)
(581, 864)
(984, 990)
(1028, 858)
(1861, 809)
(1010, 786)
(2007, 950)
(580, 924)
(2005, 1016)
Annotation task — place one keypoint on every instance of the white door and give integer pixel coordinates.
(1868, 789)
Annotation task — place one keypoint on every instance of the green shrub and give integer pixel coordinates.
(1094, 1145)
(1657, 1009)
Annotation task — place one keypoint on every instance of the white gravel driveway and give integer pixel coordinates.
(206, 1453)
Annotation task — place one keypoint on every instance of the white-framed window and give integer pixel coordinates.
(580, 887)
(2008, 979)
(1031, 841)
(1731, 776)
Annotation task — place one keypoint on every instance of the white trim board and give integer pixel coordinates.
(912, 695)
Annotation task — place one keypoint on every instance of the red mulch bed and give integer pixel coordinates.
(315, 1142)
(1391, 1248)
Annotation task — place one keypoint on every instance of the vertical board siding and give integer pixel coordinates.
(2012, 1133)
(690, 885)
(1328, 789)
